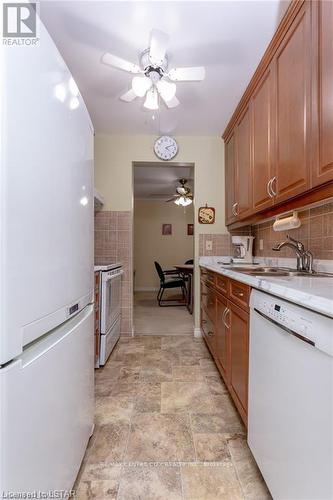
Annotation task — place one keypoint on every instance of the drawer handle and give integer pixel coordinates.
(210, 334)
(239, 294)
(203, 321)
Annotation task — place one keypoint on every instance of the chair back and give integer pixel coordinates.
(190, 261)
(159, 272)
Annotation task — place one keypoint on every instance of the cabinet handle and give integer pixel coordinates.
(227, 314)
(272, 182)
(210, 334)
(239, 294)
(234, 211)
(269, 192)
(224, 315)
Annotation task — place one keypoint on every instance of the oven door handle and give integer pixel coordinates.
(113, 276)
(285, 328)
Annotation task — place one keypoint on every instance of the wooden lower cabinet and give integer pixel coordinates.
(225, 328)
(208, 330)
(239, 357)
(222, 337)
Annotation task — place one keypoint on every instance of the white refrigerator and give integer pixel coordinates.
(46, 271)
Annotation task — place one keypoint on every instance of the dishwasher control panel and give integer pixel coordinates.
(306, 323)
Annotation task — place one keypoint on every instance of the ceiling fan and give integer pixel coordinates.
(156, 79)
(183, 194)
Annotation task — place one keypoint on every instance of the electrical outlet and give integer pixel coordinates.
(209, 245)
(261, 244)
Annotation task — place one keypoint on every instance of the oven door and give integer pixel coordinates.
(111, 300)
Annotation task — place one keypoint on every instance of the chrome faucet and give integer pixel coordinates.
(304, 257)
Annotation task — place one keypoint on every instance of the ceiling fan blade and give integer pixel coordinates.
(157, 46)
(171, 199)
(119, 63)
(129, 96)
(173, 103)
(194, 74)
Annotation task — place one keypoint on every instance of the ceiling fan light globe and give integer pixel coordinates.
(184, 201)
(166, 89)
(140, 85)
(151, 101)
(177, 201)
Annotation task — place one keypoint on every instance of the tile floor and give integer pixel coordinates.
(166, 428)
(150, 319)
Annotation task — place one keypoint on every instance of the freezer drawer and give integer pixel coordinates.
(47, 404)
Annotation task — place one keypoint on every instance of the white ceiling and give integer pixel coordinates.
(154, 182)
(227, 37)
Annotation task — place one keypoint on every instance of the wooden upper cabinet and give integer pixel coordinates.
(230, 166)
(262, 142)
(243, 187)
(322, 23)
(292, 73)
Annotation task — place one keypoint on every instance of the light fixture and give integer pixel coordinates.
(184, 201)
(140, 85)
(166, 89)
(151, 101)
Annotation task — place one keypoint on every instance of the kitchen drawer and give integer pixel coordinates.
(239, 293)
(208, 300)
(222, 284)
(208, 330)
(208, 276)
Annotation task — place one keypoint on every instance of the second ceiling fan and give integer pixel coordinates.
(155, 77)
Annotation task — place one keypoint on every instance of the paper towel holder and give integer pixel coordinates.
(287, 222)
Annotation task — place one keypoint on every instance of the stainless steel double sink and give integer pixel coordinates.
(278, 271)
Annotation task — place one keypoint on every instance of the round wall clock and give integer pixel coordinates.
(206, 215)
(166, 147)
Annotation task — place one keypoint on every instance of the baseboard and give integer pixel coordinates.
(146, 289)
(197, 333)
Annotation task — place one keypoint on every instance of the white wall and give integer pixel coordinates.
(114, 177)
(150, 244)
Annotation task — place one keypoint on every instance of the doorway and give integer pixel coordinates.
(163, 234)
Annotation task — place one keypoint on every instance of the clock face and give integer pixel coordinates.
(165, 147)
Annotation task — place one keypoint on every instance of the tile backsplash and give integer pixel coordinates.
(315, 232)
(113, 243)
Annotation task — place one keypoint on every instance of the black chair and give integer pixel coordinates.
(168, 281)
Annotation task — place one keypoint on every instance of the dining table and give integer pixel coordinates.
(186, 270)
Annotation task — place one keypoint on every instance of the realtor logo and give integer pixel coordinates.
(19, 20)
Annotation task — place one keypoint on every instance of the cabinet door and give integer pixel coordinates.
(292, 67)
(208, 330)
(262, 142)
(243, 188)
(322, 170)
(239, 359)
(230, 166)
(222, 338)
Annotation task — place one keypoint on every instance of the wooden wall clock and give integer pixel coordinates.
(206, 215)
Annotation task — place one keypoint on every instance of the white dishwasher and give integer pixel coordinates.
(290, 428)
